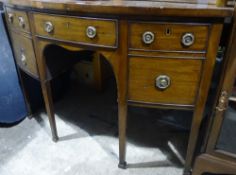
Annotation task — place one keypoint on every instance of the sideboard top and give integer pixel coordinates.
(181, 8)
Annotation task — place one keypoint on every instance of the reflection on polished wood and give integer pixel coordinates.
(162, 52)
(186, 8)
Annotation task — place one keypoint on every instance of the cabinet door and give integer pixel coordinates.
(222, 139)
(227, 136)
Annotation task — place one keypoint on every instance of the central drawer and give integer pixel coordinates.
(164, 80)
(89, 31)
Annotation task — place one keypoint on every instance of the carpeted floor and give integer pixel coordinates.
(88, 145)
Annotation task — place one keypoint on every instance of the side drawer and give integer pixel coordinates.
(17, 20)
(164, 80)
(89, 31)
(24, 53)
(168, 36)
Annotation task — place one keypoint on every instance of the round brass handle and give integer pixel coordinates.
(10, 17)
(48, 27)
(23, 59)
(91, 32)
(148, 37)
(163, 82)
(188, 39)
(21, 22)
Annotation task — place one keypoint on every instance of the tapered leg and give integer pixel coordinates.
(47, 95)
(192, 140)
(122, 134)
(205, 83)
(122, 93)
(25, 93)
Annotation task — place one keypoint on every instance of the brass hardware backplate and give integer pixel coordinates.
(223, 102)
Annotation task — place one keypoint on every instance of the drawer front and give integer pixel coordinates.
(24, 53)
(82, 30)
(170, 37)
(162, 80)
(17, 20)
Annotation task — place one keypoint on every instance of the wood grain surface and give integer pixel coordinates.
(184, 75)
(181, 8)
(74, 29)
(168, 36)
(22, 44)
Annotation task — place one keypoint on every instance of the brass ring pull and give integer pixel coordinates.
(91, 32)
(48, 27)
(10, 17)
(148, 37)
(163, 82)
(23, 59)
(188, 39)
(21, 22)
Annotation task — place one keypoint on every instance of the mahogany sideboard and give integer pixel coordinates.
(162, 52)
